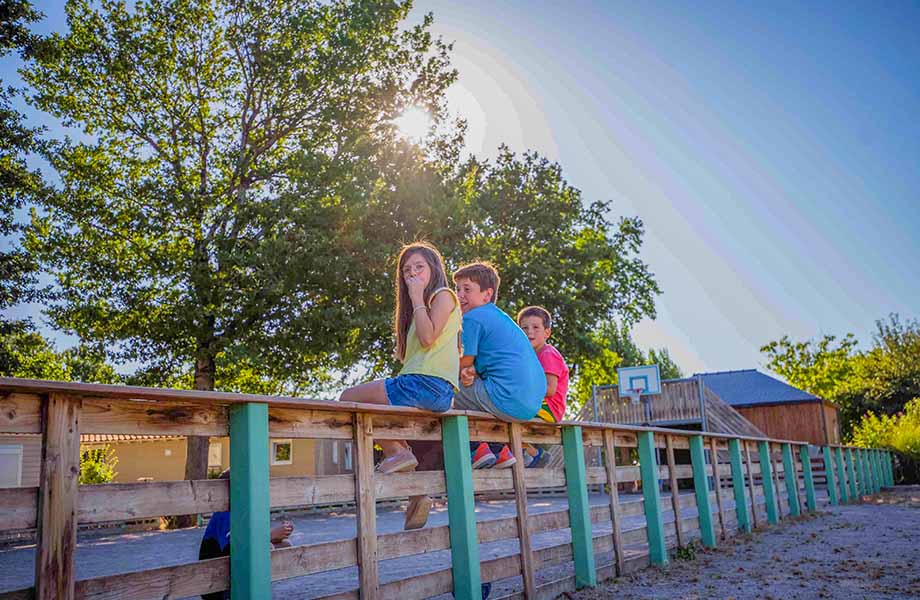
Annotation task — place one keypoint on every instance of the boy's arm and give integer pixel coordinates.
(551, 382)
(466, 361)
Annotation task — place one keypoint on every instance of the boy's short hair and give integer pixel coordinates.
(483, 274)
(536, 311)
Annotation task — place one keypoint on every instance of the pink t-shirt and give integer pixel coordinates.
(553, 364)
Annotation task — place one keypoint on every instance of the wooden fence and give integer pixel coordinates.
(748, 487)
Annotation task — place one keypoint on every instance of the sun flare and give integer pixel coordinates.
(414, 123)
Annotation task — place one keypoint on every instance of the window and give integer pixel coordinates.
(215, 455)
(282, 452)
(348, 466)
(10, 465)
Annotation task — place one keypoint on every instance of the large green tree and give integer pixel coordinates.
(219, 138)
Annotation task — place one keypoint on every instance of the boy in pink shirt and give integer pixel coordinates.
(537, 325)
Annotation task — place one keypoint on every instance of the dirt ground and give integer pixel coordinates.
(867, 550)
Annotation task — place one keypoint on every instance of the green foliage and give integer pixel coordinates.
(900, 431)
(97, 465)
(26, 353)
(687, 552)
(881, 379)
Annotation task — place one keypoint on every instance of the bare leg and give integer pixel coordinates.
(373, 392)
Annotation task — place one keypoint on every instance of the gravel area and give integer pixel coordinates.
(867, 550)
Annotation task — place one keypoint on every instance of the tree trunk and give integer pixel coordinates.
(196, 457)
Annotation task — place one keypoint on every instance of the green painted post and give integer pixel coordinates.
(867, 476)
(851, 472)
(791, 478)
(576, 486)
(648, 470)
(886, 466)
(878, 472)
(250, 552)
(807, 475)
(860, 482)
(841, 475)
(873, 474)
(741, 507)
(829, 475)
(701, 487)
(766, 478)
(461, 509)
(889, 463)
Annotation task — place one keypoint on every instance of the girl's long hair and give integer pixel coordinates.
(402, 317)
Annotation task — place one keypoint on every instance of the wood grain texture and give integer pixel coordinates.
(520, 498)
(368, 574)
(717, 483)
(20, 413)
(615, 512)
(675, 492)
(167, 417)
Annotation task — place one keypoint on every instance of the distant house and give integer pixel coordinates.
(776, 408)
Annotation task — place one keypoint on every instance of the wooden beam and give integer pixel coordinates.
(774, 465)
(20, 413)
(368, 575)
(520, 498)
(766, 476)
(741, 507)
(658, 554)
(579, 519)
(461, 510)
(675, 493)
(717, 483)
(701, 488)
(250, 552)
(791, 478)
(751, 489)
(613, 483)
(150, 417)
(57, 499)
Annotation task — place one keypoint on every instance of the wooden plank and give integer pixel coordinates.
(717, 483)
(658, 554)
(297, 561)
(461, 510)
(701, 488)
(166, 417)
(368, 575)
(20, 507)
(579, 519)
(250, 555)
(612, 480)
(791, 479)
(675, 493)
(776, 471)
(520, 498)
(20, 413)
(179, 581)
(798, 479)
(57, 499)
(767, 482)
(750, 474)
(317, 424)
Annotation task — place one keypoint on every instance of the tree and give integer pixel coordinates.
(222, 141)
(26, 353)
(822, 367)
(667, 368)
(97, 465)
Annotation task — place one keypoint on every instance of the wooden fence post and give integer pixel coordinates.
(611, 465)
(851, 474)
(57, 498)
(766, 478)
(741, 509)
(576, 485)
(842, 475)
(883, 455)
(777, 494)
(675, 493)
(520, 499)
(648, 470)
(810, 500)
(873, 474)
(791, 478)
(461, 508)
(830, 480)
(250, 550)
(889, 465)
(866, 477)
(878, 471)
(717, 483)
(701, 487)
(751, 488)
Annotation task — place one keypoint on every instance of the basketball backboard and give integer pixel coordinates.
(644, 380)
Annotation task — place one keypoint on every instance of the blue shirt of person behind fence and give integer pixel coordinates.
(504, 360)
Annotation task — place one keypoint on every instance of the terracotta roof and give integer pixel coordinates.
(104, 438)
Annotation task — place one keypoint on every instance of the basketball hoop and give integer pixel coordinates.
(635, 395)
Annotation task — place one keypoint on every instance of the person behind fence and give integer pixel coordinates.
(427, 324)
(500, 373)
(536, 323)
(216, 539)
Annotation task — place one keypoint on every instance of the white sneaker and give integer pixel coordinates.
(403, 460)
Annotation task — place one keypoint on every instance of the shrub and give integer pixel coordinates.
(97, 465)
(899, 432)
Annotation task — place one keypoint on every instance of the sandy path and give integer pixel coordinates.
(868, 550)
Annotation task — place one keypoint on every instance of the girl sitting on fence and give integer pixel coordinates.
(427, 325)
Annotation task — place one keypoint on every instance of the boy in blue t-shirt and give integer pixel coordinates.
(499, 372)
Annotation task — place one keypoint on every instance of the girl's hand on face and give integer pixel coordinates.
(416, 289)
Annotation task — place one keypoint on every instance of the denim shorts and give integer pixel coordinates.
(419, 391)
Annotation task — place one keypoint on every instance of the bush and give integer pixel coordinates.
(97, 465)
(899, 432)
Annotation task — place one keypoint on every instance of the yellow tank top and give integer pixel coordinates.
(442, 359)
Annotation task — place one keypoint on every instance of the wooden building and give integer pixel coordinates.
(776, 408)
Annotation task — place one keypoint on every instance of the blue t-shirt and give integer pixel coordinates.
(504, 360)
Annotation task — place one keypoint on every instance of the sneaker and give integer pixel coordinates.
(532, 462)
(417, 512)
(485, 590)
(483, 458)
(505, 459)
(403, 460)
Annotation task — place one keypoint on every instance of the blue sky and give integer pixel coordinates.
(771, 150)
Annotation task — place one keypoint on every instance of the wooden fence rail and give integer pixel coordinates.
(737, 483)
